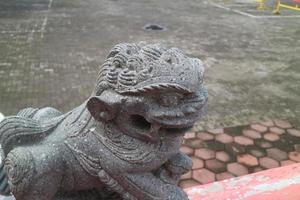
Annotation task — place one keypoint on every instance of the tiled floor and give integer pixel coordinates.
(235, 151)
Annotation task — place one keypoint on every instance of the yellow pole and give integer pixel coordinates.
(260, 5)
(277, 9)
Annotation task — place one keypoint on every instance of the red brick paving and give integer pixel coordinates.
(287, 162)
(204, 176)
(237, 169)
(234, 151)
(197, 163)
(294, 132)
(268, 163)
(244, 141)
(277, 130)
(257, 169)
(258, 128)
(188, 183)
(205, 154)
(216, 131)
(263, 144)
(205, 136)
(223, 176)
(271, 137)
(257, 152)
(223, 156)
(252, 134)
(277, 154)
(294, 156)
(224, 138)
(194, 143)
(283, 124)
(215, 165)
(297, 147)
(247, 160)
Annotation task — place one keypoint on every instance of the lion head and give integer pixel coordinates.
(149, 90)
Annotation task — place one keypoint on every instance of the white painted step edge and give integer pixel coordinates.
(1, 116)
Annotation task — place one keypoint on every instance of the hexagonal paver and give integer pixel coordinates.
(223, 176)
(252, 134)
(205, 154)
(268, 163)
(204, 176)
(290, 139)
(267, 123)
(224, 138)
(187, 150)
(215, 166)
(237, 169)
(256, 151)
(216, 131)
(235, 131)
(287, 162)
(277, 154)
(197, 163)
(286, 143)
(235, 149)
(257, 169)
(271, 137)
(282, 124)
(223, 156)
(214, 145)
(248, 160)
(294, 132)
(205, 136)
(188, 183)
(258, 128)
(297, 147)
(189, 135)
(242, 140)
(194, 143)
(186, 176)
(294, 156)
(277, 130)
(262, 143)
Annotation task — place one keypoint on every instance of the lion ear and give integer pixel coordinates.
(103, 108)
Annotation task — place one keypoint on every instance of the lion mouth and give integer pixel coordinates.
(171, 122)
(153, 131)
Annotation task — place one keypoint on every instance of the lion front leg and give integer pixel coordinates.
(174, 168)
(33, 173)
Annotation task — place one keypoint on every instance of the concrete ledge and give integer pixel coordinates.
(281, 183)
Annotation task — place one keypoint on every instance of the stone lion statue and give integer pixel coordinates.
(121, 143)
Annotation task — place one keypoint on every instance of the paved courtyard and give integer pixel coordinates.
(50, 51)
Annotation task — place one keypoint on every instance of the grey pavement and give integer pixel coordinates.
(50, 51)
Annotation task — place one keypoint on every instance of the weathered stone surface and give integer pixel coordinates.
(145, 99)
